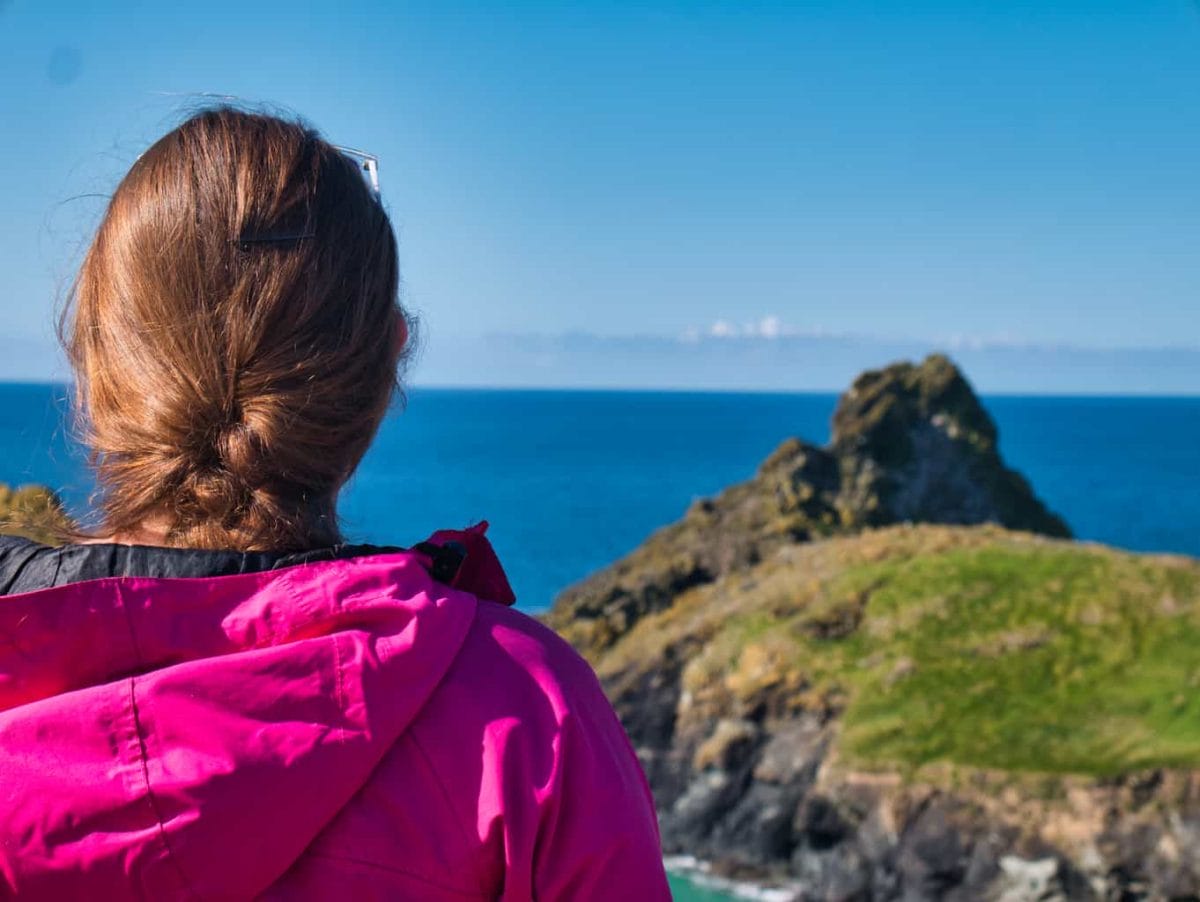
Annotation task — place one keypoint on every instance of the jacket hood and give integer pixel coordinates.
(189, 738)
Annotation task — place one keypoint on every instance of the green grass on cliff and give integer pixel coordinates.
(948, 646)
(1051, 658)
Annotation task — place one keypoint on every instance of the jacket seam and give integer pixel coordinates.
(150, 797)
(467, 836)
(339, 689)
(143, 754)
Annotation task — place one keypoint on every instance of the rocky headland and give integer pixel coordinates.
(881, 670)
(35, 512)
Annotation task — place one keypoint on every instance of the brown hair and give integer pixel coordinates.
(235, 334)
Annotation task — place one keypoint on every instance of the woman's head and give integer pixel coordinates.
(235, 335)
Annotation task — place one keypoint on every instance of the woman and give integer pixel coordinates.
(214, 697)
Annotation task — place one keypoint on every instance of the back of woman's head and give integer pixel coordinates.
(235, 335)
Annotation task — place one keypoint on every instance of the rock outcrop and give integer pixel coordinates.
(858, 711)
(914, 444)
(910, 443)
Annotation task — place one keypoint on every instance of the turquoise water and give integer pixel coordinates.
(690, 892)
(571, 480)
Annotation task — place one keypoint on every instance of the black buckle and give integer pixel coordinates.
(446, 560)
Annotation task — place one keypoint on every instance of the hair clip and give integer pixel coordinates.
(268, 238)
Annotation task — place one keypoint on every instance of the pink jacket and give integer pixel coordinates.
(349, 729)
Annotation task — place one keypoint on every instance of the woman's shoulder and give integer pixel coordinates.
(526, 745)
(507, 647)
(514, 670)
(534, 706)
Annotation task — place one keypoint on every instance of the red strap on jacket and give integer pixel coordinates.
(465, 559)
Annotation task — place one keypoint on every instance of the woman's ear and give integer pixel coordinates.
(401, 331)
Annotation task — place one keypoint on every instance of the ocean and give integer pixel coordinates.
(571, 480)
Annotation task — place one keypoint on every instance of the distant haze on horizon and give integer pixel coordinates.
(705, 194)
(795, 364)
(784, 364)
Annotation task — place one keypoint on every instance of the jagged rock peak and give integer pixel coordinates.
(916, 445)
(911, 443)
(879, 410)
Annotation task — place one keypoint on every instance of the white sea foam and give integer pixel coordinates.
(700, 873)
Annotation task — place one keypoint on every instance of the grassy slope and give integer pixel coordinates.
(1055, 658)
(963, 646)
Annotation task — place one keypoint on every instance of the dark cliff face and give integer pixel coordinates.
(911, 443)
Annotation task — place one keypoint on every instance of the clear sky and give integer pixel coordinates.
(955, 174)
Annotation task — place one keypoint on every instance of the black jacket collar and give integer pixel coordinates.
(26, 566)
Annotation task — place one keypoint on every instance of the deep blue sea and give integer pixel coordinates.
(571, 480)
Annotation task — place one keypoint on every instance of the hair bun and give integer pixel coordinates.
(240, 451)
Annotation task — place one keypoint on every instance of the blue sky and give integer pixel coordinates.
(705, 179)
